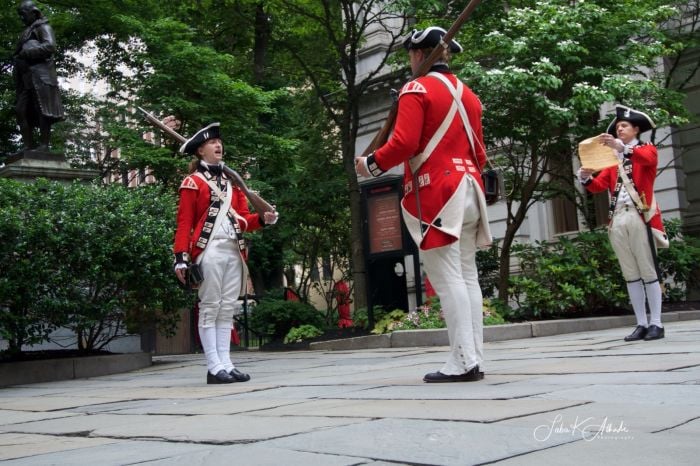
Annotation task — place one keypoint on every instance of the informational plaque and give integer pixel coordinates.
(596, 156)
(384, 221)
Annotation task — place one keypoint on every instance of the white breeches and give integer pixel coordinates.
(453, 273)
(222, 269)
(630, 241)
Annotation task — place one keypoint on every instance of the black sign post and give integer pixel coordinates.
(387, 242)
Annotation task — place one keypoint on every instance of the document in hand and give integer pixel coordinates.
(596, 156)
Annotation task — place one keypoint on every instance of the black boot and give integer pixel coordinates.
(221, 377)
(473, 375)
(239, 376)
(638, 334)
(654, 333)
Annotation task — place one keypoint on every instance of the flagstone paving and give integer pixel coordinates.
(581, 398)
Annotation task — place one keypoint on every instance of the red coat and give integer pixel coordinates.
(195, 197)
(423, 105)
(644, 161)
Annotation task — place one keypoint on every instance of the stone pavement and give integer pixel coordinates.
(581, 398)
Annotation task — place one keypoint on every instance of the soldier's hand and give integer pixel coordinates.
(361, 167)
(171, 122)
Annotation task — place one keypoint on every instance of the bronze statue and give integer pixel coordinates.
(38, 102)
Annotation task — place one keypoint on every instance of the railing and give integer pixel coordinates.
(242, 321)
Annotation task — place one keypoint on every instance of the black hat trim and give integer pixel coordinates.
(639, 119)
(429, 38)
(200, 137)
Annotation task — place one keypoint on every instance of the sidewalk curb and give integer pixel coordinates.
(51, 370)
(438, 337)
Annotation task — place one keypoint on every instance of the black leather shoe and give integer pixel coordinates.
(221, 377)
(438, 377)
(654, 333)
(238, 375)
(638, 334)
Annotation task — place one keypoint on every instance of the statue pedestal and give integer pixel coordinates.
(29, 165)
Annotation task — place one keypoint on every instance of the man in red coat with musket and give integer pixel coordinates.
(211, 218)
(635, 227)
(438, 136)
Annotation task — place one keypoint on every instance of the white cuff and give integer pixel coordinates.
(581, 179)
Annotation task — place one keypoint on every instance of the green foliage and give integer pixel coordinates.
(567, 276)
(544, 68)
(93, 259)
(29, 278)
(301, 333)
(678, 263)
(276, 317)
(487, 265)
(429, 316)
(492, 315)
(359, 317)
(425, 317)
(581, 275)
(388, 322)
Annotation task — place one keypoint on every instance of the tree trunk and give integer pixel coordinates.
(359, 272)
(504, 262)
(262, 40)
(357, 249)
(513, 225)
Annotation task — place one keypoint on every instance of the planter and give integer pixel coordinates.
(49, 370)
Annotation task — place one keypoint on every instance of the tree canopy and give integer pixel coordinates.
(544, 69)
(282, 78)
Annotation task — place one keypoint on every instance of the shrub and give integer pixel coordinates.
(430, 316)
(276, 317)
(389, 321)
(301, 333)
(492, 315)
(567, 276)
(91, 258)
(679, 263)
(426, 316)
(487, 263)
(582, 275)
(360, 318)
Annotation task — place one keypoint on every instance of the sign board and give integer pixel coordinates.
(384, 220)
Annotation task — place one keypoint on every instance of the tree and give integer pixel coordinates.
(543, 69)
(85, 257)
(324, 39)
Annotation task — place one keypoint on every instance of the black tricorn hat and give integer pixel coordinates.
(200, 137)
(429, 38)
(639, 119)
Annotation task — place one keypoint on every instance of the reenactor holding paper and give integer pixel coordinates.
(635, 228)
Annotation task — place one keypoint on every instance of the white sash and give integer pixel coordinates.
(219, 218)
(419, 159)
(660, 239)
(457, 98)
(223, 208)
(484, 237)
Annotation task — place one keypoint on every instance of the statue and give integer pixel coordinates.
(38, 103)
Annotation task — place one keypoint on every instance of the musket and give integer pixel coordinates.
(259, 204)
(383, 135)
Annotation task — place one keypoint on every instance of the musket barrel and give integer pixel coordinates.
(259, 204)
(159, 124)
(383, 134)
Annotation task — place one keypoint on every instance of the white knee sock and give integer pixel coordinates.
(637, 298)
(207, 335)
(223, 347)
(654, 298)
